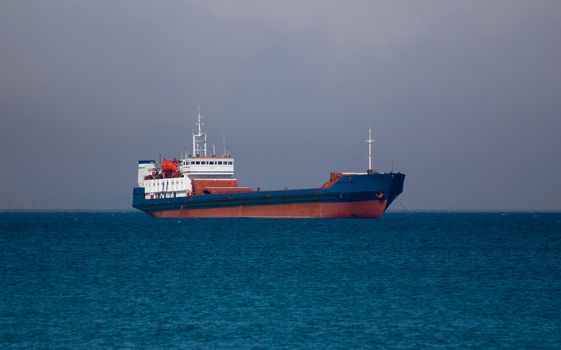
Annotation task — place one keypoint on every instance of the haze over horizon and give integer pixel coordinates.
(463, 97)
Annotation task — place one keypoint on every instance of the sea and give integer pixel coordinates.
(122, 280)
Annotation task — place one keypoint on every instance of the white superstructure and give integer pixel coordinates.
(167, 187)
(216, 167)
(159, 183)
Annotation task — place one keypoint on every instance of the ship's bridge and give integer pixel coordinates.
(213, 166)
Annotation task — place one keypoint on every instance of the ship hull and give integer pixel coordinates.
(351, 195)
(359, 209)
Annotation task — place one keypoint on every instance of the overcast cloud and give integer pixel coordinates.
(463, 96)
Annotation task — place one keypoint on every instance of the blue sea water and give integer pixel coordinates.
(420, 280)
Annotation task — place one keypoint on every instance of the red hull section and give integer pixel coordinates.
(362, 209)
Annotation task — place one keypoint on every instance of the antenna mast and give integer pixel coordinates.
(199, 137)
(370, 141)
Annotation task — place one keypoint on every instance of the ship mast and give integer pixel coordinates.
(370, 141)
(199, 137)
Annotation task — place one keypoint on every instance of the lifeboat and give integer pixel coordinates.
(169, 166)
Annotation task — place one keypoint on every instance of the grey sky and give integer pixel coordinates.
(463, 96)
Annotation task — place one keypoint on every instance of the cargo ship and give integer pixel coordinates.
(203, 185)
